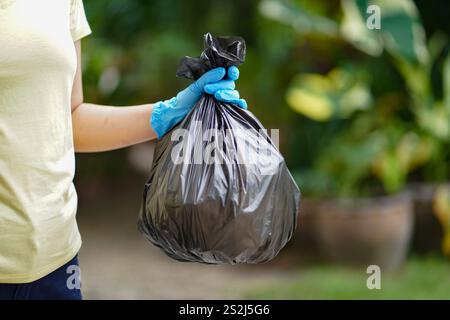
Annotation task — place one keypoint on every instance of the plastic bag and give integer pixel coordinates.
(219, 191)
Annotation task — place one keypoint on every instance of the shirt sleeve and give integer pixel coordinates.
(79, 26)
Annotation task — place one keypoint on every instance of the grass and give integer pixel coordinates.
(425, 278)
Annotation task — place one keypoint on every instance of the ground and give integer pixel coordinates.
(118, 263)
(419, 278)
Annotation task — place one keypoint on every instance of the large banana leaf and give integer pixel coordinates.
(293, 14)
(400, 33)
(320, 97)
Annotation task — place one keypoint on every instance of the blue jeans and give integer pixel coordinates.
(61, 284)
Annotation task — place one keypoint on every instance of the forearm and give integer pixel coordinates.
(101, 128)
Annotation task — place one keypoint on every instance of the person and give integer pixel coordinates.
(43, 122)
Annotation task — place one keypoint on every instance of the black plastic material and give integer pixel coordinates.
(224, 211)
(219, 52)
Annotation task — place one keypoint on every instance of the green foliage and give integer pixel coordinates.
(339, 93)
(392, 132)
(401, 33)
(302, 20)
(376, 89)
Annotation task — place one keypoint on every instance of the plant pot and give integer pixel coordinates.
(304, 242)
(366, 231)
(428, 233)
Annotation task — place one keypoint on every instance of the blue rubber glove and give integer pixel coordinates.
(166, 114)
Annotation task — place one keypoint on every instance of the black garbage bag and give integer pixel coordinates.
(219, 190)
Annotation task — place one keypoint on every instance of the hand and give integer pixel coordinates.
(166, 114)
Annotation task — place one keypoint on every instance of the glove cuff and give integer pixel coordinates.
(164, 116)
(156, 120)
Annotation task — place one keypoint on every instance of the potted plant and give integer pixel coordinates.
(367, 216)
(392, 136)
(441, 206)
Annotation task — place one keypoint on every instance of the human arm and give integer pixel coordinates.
(101, 128)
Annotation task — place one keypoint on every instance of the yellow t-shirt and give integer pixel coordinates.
(38, 231)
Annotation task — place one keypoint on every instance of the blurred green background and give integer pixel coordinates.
(364, 115)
